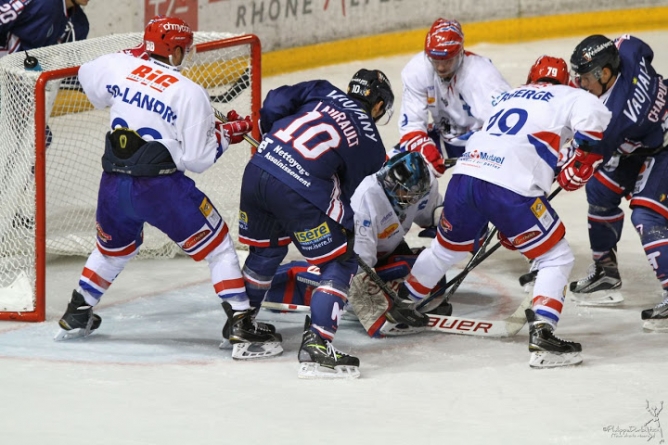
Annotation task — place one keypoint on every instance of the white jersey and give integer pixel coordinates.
(456, 106)
(158, 102)
(518, 147)
(378, 229)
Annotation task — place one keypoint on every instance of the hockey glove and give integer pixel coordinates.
(235, 129)
(505, 242)
(578, 170)
(403, 310)
(420, 142)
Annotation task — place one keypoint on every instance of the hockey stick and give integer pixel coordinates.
(247, 137)
(378, 281)
(472, 264)
(505, 327)
(429, 303)
(233, 92)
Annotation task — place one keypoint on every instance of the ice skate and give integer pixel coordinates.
(78, 320)
(318, 359)
(600, 287)
(656, 319)
(248, 338)
(548, 350)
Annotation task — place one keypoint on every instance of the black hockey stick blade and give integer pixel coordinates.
(235, 90)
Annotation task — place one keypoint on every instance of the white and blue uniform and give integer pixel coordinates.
(171, 115)
(457, 106)
(503, 177)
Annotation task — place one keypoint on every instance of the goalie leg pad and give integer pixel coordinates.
(369, 303)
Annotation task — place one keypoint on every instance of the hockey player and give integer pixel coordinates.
(386, 204)
(162, 125)
(38, 23)
(634, 162)
(454, 86)
(502, 178)
(319, 144)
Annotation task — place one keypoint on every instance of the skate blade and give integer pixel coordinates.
(545, 359)
(600, 298)
(225, 344)
(63, 334)
(313, 371)
(656, 325)
(251, 351)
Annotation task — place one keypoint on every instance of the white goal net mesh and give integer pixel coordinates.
(74, 140)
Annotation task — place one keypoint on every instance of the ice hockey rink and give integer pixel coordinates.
(153, 373)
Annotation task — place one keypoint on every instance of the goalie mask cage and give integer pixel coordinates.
(51, 145)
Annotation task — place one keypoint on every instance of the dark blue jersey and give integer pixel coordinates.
(319, 142)
(29, 24)
(637, 100)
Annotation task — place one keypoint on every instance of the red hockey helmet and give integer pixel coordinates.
(163, 35)
(445, 40)
(549, 69)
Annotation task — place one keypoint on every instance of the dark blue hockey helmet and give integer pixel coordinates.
(406, 180)
(593, 54)
(370, 87)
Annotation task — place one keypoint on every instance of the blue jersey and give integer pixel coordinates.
(30, 24)
(320, 143)
(637, 101)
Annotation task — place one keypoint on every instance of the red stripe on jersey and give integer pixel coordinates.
(608, 183)
(235, 283)
(541, 300)
(463, 247)
(550, 139)
(549, 243)
(213, 243)
(415, 284)
(95, 278)
(117, 252)
(333, 254)
(650, 204)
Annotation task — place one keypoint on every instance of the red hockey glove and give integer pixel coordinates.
(235, 129)
(420, 142)
(505, 242)
(578, 170)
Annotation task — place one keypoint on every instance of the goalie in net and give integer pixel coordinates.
(386, 205)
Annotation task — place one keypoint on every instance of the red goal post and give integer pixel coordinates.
(52, 141)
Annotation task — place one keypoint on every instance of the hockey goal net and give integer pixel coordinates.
(52, 141)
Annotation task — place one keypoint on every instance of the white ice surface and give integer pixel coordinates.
(153, 373)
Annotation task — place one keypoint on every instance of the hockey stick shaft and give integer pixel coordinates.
(475, 261)
(235, 90)
(377, 280)
(247, 137)
(285, 307)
